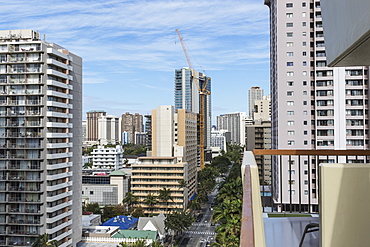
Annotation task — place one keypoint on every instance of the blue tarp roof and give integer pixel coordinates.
(124, 222)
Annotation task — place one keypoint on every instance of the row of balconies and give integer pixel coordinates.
(20, 167)
(20, 178)
(23, 134)
(20, 102)
(11, 80)
(20, 92)
(11, 113)
(21, 146)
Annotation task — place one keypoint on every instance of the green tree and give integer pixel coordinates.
(88, 165)
(150, 201)
(111, 211)
(139, 243)
(165, 196)
(43, 241)
(156, 244)
(178, 221)
(130, 200)
(92, 207)
(138, 212)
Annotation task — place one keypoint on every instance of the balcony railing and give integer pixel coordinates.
(337, 183)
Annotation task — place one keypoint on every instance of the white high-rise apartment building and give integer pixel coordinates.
(255, 93)
(109, 130)
(40, 139)
(107, 159)
(235, 124)
(313, 106)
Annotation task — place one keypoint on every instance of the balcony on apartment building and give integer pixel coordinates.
(331, 210)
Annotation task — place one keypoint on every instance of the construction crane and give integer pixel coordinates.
(202, 90)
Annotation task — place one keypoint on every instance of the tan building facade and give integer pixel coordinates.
(92, 118)
(174, 158)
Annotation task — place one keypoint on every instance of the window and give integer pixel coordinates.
(289, 64)
(290, 73)
(291, 192)
(292, 172)
(304, 34)
(305, 142)
(304, 73)
(289, 44)
(289, 15)
(304, 4)
(290, 93)
(304, 122)
(290, 132)
(304, 63)
(304, 112)
(291, 181)
(290, 34)
(306, 192)
(303, 14)
(91, 192)
(290, 103)
(290, 122)
(304, 53)
(304, 83)
(289, 5)
(289, 24)
(290, 113)
(304, 24)
(304, 102)
(290, 83)
(305, 132)
(289, 54)
(290, 142)
(304, 43)
(305, 171)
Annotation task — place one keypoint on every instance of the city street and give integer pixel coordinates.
(201, 233)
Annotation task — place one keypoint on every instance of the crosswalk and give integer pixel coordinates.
(200, 233)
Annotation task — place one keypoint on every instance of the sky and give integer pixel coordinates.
(130, 49)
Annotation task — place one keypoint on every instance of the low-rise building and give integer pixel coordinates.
(107, 159)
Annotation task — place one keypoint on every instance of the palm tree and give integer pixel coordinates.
(139, 243)
(165, 195)
(156, 244)
(183, 184)
(150, 201)
(43, 241)
(130, 200)
(194, 204)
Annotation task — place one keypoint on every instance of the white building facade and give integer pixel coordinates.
(235, 124)
(313, 106)
(109, 130)
(107, 159)
(41, 140)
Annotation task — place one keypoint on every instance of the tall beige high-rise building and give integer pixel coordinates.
(109, 130)
(132, 123)
(313, 106)
(173, 159)
(40, 139)
(92, 126)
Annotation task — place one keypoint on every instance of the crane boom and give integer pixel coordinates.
(184, 49)
(202, 102)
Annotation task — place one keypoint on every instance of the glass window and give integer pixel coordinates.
(289, 54)
(289, 15)
(289, 5)
(290, 83)
(290, 122)
(290, 113)
(289, 64)
(290, 93)
(289, 24)
(290, 103)
(304, 24)
(290, 34)
(290, 73)
(289, 44)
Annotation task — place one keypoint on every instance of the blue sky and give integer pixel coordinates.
(130, 48)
